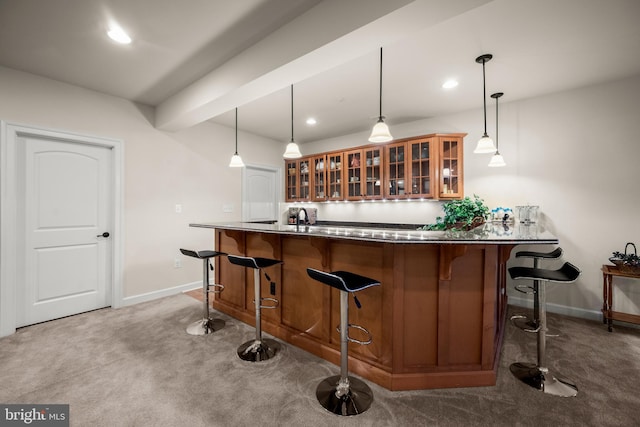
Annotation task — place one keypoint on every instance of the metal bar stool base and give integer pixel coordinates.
(205, 326)
(355, 402)
(524, 323)
(258, 351)
(548, 383)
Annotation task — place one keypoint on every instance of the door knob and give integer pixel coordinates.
(105, 234)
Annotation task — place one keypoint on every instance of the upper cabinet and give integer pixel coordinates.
(450, 168)
(364, 173)
(424, 167)
(298, 185)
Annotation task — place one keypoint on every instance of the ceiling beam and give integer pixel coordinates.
(329, 34)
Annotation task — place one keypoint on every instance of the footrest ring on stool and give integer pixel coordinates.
(367, 342)
(217, 288)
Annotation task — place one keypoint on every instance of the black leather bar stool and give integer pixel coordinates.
(341, 394)
(206, 325)
(520, 320)
(261, 348)
(538, 375)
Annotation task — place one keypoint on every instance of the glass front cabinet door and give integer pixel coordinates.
(335, 177)
(396, 171)
(373, 183)
(354, 174)
(422, 167)
(298, 180)
(319, 188)
(450, 167)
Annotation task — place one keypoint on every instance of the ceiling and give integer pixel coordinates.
(198, 60)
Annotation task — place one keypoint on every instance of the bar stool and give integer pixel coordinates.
(520, 320)
(261, 348)
(206, 325)
(341, 394)
(538, 375)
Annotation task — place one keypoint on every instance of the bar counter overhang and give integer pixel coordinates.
(437, 319)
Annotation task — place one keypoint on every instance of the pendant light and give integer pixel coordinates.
(497, 160)
(380, 132)
(292, 151)
(485, 144)
(236, 160)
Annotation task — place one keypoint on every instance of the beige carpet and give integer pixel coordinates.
(136, 366)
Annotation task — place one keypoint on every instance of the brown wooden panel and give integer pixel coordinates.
(466, 291)
(233, 278)
(435, 321)
(302, 297)
(420, 307)
(264, 245)
(365, 259)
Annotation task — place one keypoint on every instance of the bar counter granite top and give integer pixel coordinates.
(492, 233)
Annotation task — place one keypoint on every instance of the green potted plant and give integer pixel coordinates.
(463, 214)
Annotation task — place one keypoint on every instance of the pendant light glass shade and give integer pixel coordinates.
(497, 160)
(236, 160)
(485, 144)
(292, 151)
(380, 132)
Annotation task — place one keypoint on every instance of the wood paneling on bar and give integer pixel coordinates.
(437, 319)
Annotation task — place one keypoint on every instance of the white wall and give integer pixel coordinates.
(575, 154)
(162, 169)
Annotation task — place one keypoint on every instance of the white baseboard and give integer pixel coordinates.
(559, 309)
(150, 296)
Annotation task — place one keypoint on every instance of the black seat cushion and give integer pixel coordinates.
(201, 254)
(556, 253)
(342, 280)
(566, 274)
(252, 262)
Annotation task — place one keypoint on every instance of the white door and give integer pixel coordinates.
(66, 260)
(259, 193)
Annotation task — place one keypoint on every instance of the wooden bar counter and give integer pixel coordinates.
(437, 320)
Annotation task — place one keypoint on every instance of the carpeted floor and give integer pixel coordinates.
(136, 366)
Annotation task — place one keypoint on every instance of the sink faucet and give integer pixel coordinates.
(306, 218)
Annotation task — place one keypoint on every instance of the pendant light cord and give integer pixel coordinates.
(484, 92)
(236, 131)
(291, 113)
(380, 116)
(497, 123)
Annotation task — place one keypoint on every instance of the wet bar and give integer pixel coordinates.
(437, 320)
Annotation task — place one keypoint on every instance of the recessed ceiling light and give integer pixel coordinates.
(311, 121)
(449, 84)
(117, 34)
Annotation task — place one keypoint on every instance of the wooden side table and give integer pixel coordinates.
(608, 315)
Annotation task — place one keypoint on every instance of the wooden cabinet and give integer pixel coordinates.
(424, 167)
(335, 176)
(319, 178)
(327, 177)
(298, 180)
(450, 167)
(437, 319)
(364, 173)
(396, 170)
